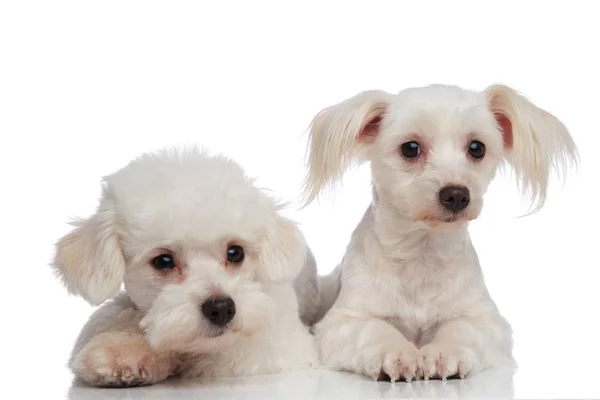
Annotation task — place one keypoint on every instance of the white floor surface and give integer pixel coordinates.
(551, 380)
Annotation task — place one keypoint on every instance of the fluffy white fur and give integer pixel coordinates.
(192, 206)
(408, 300)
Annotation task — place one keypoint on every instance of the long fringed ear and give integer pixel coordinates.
(536, 142)
(89, 260)
(339, 135)
(284, 251)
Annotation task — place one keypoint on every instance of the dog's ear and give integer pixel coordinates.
(340, 135)
(284, 251)
(536, 142)
(89, 259)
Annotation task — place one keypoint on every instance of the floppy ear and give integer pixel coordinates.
(341, 134)
(89, 260)
(284, 251)
(536, 142)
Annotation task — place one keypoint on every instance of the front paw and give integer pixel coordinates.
(441, 360)
(400, 361)
(120, 359)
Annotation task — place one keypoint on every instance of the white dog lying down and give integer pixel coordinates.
(209, 268)
(409, 299)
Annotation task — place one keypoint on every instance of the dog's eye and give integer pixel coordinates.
(410, 149)
(163, 262)
(477, 149)
(235, 254)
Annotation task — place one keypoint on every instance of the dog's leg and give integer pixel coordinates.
(121, 359)
(372, 347)
(112, 350)
(467, 345)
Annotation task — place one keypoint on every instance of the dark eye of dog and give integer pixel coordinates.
(235, 254)
(410, 149)
(476, 149)
(163, 262)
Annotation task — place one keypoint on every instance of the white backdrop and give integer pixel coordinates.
(86, 86)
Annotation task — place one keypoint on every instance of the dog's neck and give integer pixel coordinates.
(402, 238)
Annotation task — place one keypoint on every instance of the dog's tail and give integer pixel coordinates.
(329, 289)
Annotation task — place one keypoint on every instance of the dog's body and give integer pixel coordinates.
(210, 270)
(409, 299)
(399, 288)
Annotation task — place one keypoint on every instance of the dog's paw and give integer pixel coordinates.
(401, 362)
(445, 360)
(120, 359)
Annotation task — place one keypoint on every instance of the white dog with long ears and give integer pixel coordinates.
(408, 299)
(209, 268)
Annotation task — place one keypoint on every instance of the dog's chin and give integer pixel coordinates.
(210, 330)
(439, 220)
(214, 331)
(445, 225)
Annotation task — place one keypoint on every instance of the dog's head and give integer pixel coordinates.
(193, 241)
(434, 150)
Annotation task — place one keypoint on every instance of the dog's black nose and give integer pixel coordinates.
(219, 310)
(454, 198)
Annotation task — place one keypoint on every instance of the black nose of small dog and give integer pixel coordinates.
(219, 310)
(454, 198)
